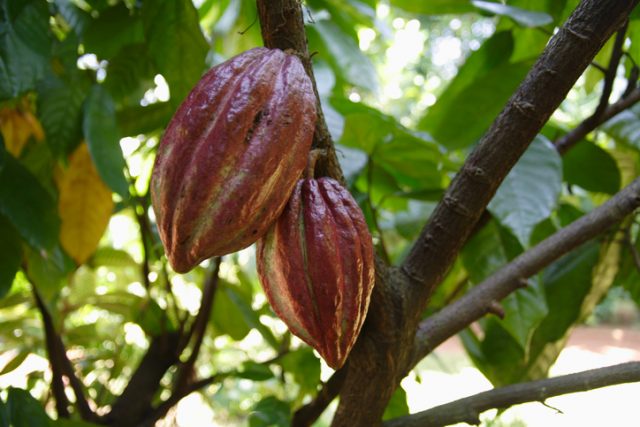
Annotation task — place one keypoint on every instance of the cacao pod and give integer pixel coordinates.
(316, 267)
(231, 155)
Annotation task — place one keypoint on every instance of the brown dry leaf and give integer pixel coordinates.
(17, 127)
(84, 205)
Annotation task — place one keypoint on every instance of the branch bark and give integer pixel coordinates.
(564, 59)
(282, 25)
(61, 365)
(604, 111)
(477, 302)
(309, 413)
(469, 408)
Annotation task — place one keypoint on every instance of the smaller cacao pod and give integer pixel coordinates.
(316, 267)
(231, 155)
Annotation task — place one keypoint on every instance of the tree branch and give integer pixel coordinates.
(60, 365)
(469, 408)
(197, 331)
(53, 352)
(603, 111)
(282, 27)
(564, 59)
(477, 302)
(309, 413)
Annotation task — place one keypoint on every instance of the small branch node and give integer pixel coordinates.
(456, 206)
(558, 410)
(477, 174)
(522, 282)
(496, 308)
(525, 108)
(577, 34)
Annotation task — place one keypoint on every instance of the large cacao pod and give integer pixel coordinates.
(231, 155)
(316, 267)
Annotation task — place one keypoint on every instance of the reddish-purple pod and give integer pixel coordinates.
(231, 155)
(316, 267)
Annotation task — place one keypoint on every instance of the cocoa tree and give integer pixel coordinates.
(490, 237)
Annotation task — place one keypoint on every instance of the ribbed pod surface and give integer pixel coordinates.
(231, 155)
(316, 267)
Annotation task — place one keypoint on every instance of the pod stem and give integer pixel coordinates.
(314, 155)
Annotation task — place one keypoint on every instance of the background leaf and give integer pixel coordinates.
(26, 204)
(176, 44)
(10, 255)
(24, 45)
(523, 17)
(101, 132)
(606, 176)
(530, 191)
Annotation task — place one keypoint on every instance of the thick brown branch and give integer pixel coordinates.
(309, 413)
(563, 61)
(61, 365)
(476, 303)
(282, 27)
(469, 408)
(197, 331)
(53, 352)
(134, 404)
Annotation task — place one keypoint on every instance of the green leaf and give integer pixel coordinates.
(530, 191)
(625, 127)
(151, 317)
(26, 204)
(484, 253)
(397, 406)
(270, 412)
(347, 59)
(114, 28)
(465, 110)
(130, 73)
(227, 316)
(5, 420)
(523, 17)
(24, 45)
(602, 175)
(566, 283)
(60, 112)
(24, 410)
(435, 7)
(77, 18)
(101, 132)
(137, 119)
(10, 255)
(305, 368)
(48, 272)
(176, 43)
(15, 362)
(111, 257)
(254, 371)
(524, 310)
(473, 110)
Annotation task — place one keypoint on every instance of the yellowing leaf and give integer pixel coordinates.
(85, 205)
(17, 127)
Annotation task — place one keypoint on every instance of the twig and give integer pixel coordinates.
(309, 413)
(603, 111)
(469, 408)
(476, 303)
